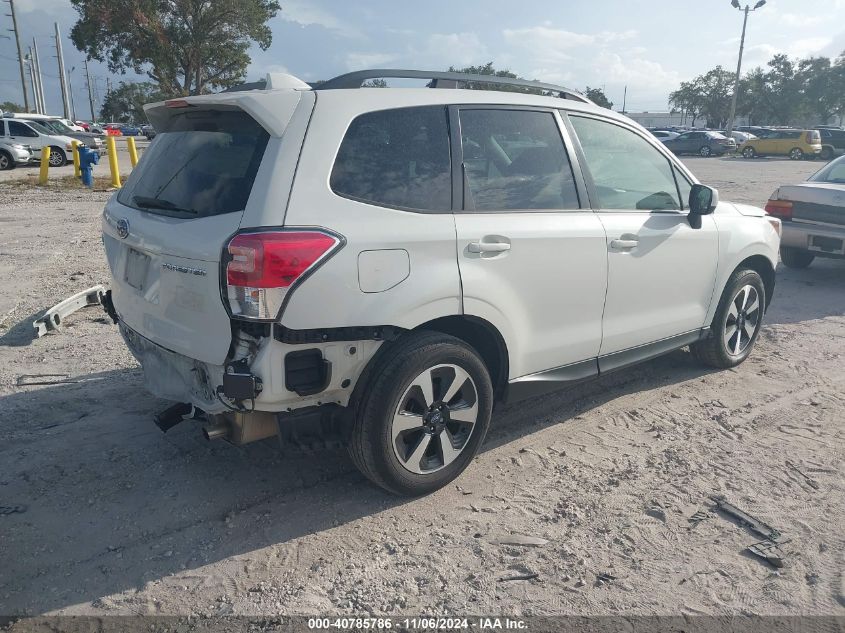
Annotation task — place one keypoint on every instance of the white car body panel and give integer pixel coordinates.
(546, 294)
(661, 287)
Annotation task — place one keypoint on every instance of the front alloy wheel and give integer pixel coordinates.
(749, 152)
(705, 151)
(737, 322)
(742, 321)
(5, 161)
(435, 419)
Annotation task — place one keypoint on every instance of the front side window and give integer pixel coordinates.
(628, 172)
(515, 159)
(396, 158)
(203, 165)
(16, 128)
(833, 172)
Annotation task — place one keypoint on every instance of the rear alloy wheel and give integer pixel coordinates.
(57, 157)
(423, 414)
(6, 161)
(705, 151)
(736, 324)
(795, 257)
(796, 154)
(749, 152)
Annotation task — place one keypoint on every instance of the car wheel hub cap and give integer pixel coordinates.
(435, 418)
(742, 320)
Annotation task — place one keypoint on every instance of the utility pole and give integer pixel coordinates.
(39, 86)
(62, 76)
(90, 95)
(746, 11)
(70, 91)
(32, 79)
(20, 56)
(624, 99)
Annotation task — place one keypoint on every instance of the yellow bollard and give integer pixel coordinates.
(77, 172)
(113, 167)
(45, 165)
(133, 151)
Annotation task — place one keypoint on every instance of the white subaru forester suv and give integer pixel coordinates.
(387, 264)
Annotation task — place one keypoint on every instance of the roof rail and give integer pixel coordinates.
(439, 79)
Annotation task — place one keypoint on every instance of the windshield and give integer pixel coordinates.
(203, 165)
(833, 172)
(56, 126)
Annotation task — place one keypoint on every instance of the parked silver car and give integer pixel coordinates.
(13, 154)
(813, 216)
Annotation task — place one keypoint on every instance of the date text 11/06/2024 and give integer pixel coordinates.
(416, 624)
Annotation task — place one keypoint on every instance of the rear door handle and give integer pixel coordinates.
(623, 245)
(483, 246)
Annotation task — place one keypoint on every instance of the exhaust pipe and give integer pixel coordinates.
(219, 430)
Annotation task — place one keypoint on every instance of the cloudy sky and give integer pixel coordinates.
(648, 45)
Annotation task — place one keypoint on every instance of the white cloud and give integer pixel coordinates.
(49, 6)
(800, 19)
(308, 14)
(550, 46)
(358, 61)
(441, 50)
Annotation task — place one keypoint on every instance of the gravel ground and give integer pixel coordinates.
(121, 519)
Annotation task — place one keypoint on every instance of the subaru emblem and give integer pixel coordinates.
(123, 228)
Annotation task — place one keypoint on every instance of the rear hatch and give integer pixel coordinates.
(165, 230)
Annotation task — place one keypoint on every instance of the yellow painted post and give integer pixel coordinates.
(45, 165)
(133, 151)
(77, 172)
(113, 167)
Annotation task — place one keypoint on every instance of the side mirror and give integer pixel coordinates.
(703, 200)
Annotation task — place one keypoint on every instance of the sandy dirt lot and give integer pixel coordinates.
(118, 518)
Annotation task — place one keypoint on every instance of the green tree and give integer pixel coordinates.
(816, 75)
(184, 46)
(11, 106)
(597, 96)
(126, 103)
(784, 87)
(687, 100)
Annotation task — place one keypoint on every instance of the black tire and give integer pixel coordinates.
(826, 153)
(705, 151)
(714, 350)
(373, 444)
(796, 154)
(749, 152)
(6, 161)
(795, 257)
(57, 157)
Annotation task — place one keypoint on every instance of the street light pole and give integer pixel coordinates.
(746, 11)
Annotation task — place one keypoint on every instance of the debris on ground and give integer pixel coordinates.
(810, 481)
(531, 576)
(55, 316)
(12, 509)
(769, 548)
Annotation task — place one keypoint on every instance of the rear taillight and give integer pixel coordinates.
(814, 137)
(780, 209)
(262, 267)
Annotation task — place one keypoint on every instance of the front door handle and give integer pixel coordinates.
(483, 246)
(623, 245)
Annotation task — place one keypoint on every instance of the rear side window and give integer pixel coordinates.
(515, 159)
(396, 158)
(203, 165)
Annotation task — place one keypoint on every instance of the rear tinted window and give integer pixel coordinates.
(203, 165)
(396, 158)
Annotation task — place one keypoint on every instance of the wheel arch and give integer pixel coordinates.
(763, 267)
(484, 338)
